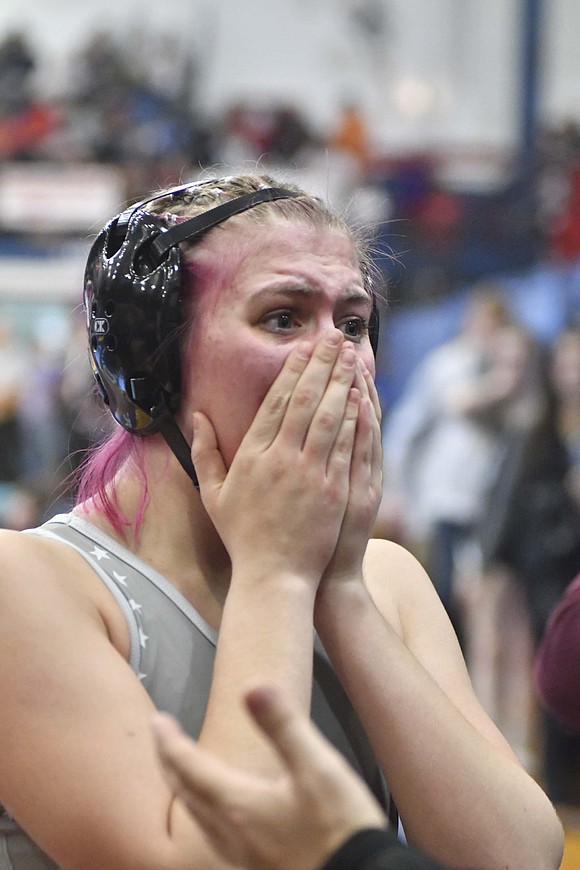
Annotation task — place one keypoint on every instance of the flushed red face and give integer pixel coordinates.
(261, 290)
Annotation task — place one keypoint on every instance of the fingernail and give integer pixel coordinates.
(304, 349)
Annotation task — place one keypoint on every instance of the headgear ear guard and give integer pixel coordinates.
(134, 303)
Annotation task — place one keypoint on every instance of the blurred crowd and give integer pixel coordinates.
(482, 473)
(135, 103)
(482, 446)
(49, 415)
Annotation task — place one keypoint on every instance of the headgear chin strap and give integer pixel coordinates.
(133, 292)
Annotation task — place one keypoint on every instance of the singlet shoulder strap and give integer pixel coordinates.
(66, 534)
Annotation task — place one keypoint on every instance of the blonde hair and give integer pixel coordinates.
(303, 208)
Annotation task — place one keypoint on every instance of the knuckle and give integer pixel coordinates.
(304, 397)
(343, 448)
(275, 402)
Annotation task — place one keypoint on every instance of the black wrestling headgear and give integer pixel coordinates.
(134, 302)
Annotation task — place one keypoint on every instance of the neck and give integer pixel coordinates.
(176, 536)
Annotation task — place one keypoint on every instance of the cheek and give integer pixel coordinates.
(229, 383)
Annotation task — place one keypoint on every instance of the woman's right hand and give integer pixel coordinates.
(281, 503)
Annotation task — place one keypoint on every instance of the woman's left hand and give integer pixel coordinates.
(366, 484)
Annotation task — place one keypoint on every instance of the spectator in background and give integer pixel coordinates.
(43, 433)
(25, 120)
(565, 377)
(351, 134)
(83, 416)
(13, 371)
(557, 682)
(18, 499)
(440, 442)
(289, 136)
(495, 606)
(17, 64)
(530, 547)
(557, 662)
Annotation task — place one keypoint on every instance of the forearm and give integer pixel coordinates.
(266, 632)
(452, 786)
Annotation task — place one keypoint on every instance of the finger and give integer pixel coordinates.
(342, 452)
(327, 421)
(367, 466)
(311, 388)
(268, 419)
(369, 388)
(206, 456)
(297, 741)
(377, 457)
(363, 445)
(365, 383)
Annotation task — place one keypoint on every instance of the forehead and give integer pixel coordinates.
(252, 255)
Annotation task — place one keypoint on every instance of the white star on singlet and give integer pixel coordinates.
(100, 554)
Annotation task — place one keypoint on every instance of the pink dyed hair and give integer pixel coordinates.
(96, 474)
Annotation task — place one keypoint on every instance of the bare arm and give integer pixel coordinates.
(557, 664)
(278, 510)
(78, 765)
(79, 770)
(452, 774)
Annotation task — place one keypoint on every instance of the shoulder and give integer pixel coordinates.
(403, 591)
(39, 574)
(398, 583)
(32, 566)
(23, 554)
(392, 569)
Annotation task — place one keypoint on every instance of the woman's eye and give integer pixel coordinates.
(354, 328)
(280, 320)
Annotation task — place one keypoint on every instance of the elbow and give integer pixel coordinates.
(547, 847)
(555, 847)
(538, 845)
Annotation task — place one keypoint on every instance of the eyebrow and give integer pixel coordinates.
(307, 291)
